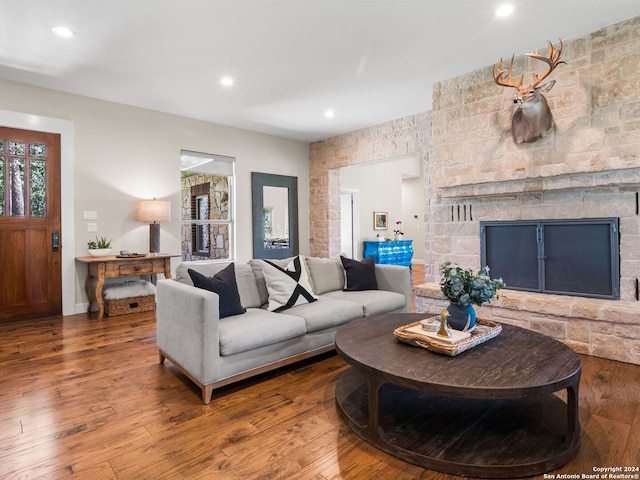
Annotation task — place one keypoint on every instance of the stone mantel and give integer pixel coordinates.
(622, 173)
(605, 328)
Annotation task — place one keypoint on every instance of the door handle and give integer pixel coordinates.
(55, 242)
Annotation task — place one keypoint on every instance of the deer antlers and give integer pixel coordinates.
(552, 60)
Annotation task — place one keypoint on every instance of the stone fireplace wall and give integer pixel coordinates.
(588, 166)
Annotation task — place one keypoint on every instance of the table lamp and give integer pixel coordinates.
(152, 212)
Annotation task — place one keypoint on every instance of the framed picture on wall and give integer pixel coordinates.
(380, 221)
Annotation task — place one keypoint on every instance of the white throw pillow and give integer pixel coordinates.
(288, 286)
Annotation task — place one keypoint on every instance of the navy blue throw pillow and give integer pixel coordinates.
(360, 275)
(224, 284)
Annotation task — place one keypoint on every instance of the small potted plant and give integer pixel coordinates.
(100, 247)
(465, 289)
(397, 233)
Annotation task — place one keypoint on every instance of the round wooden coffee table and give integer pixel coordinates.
(487, 412)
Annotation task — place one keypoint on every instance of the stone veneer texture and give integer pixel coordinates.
(588, 166)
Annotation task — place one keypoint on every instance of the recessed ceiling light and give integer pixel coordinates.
(329, 113)
(504, 10)
(63, 31)
(226, 81)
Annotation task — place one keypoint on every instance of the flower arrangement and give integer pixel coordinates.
(398, 230)
(465, 288)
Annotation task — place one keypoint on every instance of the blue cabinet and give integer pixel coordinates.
(397, 252)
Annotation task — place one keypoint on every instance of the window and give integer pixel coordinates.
(207, 183)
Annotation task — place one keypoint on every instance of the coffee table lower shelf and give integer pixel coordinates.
(485, 438)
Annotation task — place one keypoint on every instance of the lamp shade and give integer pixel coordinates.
(149, 211)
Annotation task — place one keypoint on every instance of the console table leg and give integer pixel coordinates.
(88, 287)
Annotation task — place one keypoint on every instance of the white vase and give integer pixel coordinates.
(99, 252)
(398, 236)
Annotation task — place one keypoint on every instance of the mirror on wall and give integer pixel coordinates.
(275, 215)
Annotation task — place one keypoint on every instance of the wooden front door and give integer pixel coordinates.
(30, 237)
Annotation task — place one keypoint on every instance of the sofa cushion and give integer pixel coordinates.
(246, 281)
(373, 301)
(359, 275)
(261, 284)
(326, 313)
(326, 274)
(205, 268)
(287, 286)
(258, 328)
(224, 284)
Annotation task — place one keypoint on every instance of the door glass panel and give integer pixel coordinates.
(38, 150)
(16, 186)
(17, 148)
(1, 146)
(38, 185)
(2, 210)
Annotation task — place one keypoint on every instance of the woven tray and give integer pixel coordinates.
(485, 330)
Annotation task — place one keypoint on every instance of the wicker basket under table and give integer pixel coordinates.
(485, 330)
(124, 306)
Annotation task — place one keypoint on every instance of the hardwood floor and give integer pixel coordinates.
(86, 399)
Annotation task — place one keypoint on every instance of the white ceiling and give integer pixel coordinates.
(369, 60)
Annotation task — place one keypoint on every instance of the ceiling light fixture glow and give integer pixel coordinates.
(504, 10)
(226, 81)
(63, 32)
(329, 113)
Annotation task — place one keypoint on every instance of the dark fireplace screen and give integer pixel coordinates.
(571, 257)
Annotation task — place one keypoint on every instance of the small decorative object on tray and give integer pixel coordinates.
(128, 254)
(415, 334)
(430, 324)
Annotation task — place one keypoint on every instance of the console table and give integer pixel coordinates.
(396, 252)
(102, 268)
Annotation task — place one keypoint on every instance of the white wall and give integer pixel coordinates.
(124, 153)
(380, 187)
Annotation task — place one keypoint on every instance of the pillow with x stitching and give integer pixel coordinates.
(288, 286)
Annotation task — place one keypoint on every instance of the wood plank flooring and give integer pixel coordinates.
(82, 399)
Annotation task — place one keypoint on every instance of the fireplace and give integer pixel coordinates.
(569, 257)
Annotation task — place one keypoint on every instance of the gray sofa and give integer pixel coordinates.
(215, 351)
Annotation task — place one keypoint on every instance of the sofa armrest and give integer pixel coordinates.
(395, 278)
(187, 328)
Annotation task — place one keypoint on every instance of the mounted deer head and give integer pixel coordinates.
(532, 119)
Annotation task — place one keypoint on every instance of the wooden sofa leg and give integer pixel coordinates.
(162, 357)
(207, 392)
